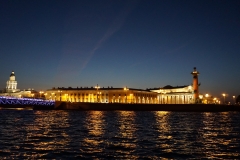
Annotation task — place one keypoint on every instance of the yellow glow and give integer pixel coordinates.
(206, 95)
(164, 128)
(97, 87)
(224, 94)
(46, 123)
(95, 126)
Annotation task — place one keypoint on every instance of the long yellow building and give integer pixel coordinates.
(166, 95)
(102, 95)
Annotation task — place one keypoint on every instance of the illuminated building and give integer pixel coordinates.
(166, 95)
(12, 91)
(102, 95)
(11, 86)
(179, 94)
(175, 95)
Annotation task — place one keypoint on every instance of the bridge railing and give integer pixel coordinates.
(25, 101)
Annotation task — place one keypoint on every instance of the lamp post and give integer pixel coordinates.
(224, 95)
(126, 89)
(200, 97)
(53, 96)
(234, 99)
(41, 93)
(214, 100)
(60, 95)
(45, 95)
(97, 87)
(206, 95)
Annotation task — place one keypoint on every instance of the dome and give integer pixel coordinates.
(12, 74)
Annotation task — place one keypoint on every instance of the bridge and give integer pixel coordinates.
(25, 101)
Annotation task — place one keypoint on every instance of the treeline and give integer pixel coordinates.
(238, 99)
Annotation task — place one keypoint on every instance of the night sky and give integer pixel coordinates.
(139, 44)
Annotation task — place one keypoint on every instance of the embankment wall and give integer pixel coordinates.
(145, 107)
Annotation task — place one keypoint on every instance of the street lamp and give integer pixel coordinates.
(233, 99)
(201, 97)
(41, 93)
(224, 95)
(125, 89)
(60, 95)
(45, 95)
(97, 87)
(214, 99)
(206, 95)
(53, 96)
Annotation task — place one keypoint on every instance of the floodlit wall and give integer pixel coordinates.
(118, 95)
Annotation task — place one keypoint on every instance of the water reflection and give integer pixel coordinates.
(164, 129)
(216, 135)
(127, 127)
(119, 135)
(126, 139)
(48, 132)
(95, 125)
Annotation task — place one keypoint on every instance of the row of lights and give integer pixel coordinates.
(216, 99)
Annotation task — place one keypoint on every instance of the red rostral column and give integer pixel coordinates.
(195, 74)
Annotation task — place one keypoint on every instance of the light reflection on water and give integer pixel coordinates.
(30, 134)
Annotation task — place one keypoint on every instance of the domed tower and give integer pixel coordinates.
(11, 84)
(195, 74)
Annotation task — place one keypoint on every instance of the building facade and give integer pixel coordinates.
(12, 91)
(166, 95)
(175, 95)
(102, 95)
(11, 86)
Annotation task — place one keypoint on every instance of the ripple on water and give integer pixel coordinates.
(119, 135)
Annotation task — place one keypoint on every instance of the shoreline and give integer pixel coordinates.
(145, 107)
(84, 106)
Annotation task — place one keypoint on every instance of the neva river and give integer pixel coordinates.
(29, 134)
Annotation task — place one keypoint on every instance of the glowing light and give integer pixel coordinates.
(224, 95)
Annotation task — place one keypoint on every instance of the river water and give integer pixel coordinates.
(33, 134)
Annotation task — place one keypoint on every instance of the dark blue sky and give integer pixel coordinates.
(139, 44)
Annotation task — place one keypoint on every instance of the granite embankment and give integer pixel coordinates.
(145, 107)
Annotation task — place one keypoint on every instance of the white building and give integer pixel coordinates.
(11, 86)
(12, 91)
(175, 95)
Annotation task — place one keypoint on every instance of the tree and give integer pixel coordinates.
(238, 99)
